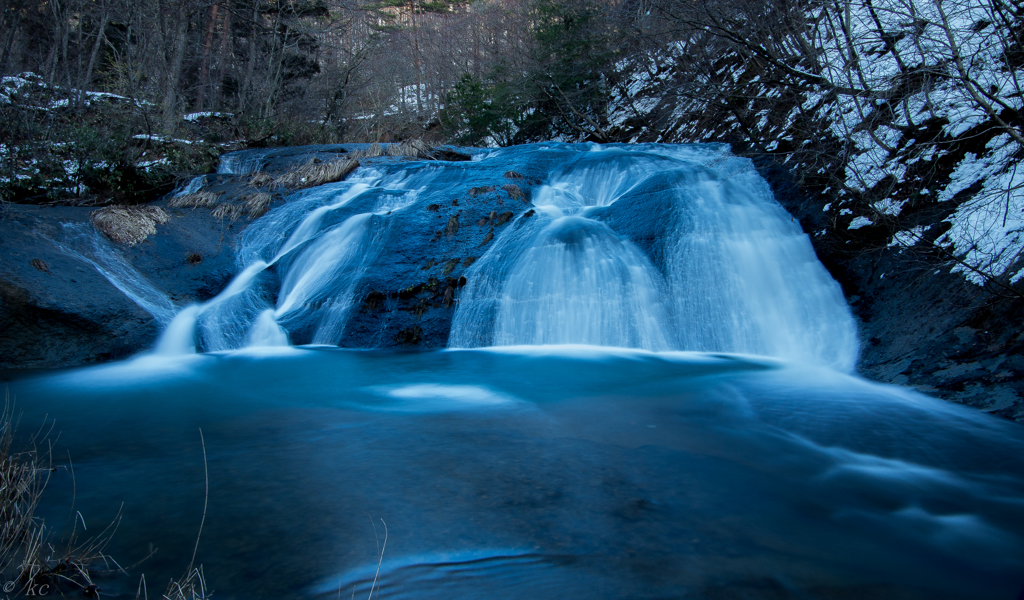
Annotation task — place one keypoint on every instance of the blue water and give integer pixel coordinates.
(728, 452)
(554, 472)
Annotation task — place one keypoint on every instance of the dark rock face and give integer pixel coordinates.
(63, 315)
(69, 314)
(57, 310)
(410, 293)
(920, 324)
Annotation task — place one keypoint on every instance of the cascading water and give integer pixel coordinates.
(87, 245)
(744, 277)
(730, 271)
(240, 163)
(579, 283)
(317, 266)
(736, 275)
(300, 266)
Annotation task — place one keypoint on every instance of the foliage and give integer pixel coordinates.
(576, 48)
(84, 148)
(476, 113)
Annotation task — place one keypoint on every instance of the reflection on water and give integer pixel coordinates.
(569, 472)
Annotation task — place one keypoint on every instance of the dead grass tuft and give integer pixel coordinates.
(260, 179)
(20, 489)
(230, 212)
(129, 225)
(258, 204)
(316, 173)
(373, 151)
(415, 148)
(29, 559)
(190, 587)
(194, 200)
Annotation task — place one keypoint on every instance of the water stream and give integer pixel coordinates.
(648, 393)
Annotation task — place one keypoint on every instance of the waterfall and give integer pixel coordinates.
(761, 288)
(84, 243)
(300, 266)
(657, 247)
(320, 283)
(735, 273)
(578, 283)
(241, 163)
(194, 185)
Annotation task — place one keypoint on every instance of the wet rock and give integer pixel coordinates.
(452, 227)
(410, 336)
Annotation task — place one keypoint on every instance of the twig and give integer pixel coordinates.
(380, 560)
(206, 499)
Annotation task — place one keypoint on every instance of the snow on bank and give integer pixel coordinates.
(930, 81)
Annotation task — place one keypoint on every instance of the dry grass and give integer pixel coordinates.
(260, 179)
(415, 148)
(253, 205)
(20, 489)
(28, 557)
(230, 212)
(257, 204)
(194, 200)
(190, 587)
(129, 225)
(316, 173)
(373, 151)
(30, 563)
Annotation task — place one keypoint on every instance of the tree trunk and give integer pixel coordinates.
(221, 63)
(10, 37)
(87, 78)
(173, 78)
(204, 68)
(246, 87)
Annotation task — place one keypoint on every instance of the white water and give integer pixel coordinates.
(541, 470)
(729, 272)
(738, 275)
(762, 289)
(300, 269)
(240, 163)
(579, 283)
(89, 246)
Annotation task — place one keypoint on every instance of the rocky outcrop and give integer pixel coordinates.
(57, 309)
(921, 324)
